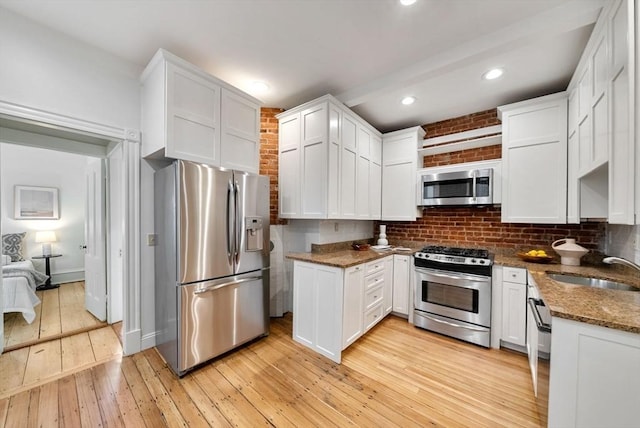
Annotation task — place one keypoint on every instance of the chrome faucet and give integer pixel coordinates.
(621, 261)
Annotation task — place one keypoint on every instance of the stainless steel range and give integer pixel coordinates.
(453, 292)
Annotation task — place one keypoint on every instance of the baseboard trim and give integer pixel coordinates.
(131, 342)
(148, 340)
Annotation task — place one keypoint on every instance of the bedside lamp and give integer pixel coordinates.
(46, 238)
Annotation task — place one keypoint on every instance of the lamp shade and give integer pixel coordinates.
(46, 236)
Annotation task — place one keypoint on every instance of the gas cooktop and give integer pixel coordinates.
(454, 251)
(437, 254)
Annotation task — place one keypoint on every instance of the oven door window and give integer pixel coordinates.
(464, 299)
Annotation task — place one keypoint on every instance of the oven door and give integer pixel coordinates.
(454, 295)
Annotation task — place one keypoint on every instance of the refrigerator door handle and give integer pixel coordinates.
(238, 223)
(227, 284)
(230, 231)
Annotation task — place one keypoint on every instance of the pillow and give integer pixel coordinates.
(12, 246)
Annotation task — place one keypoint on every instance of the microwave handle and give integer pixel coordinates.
(474, 174)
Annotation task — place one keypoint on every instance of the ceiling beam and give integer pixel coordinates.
(559, 20)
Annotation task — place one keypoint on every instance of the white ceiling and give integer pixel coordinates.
(368, 53)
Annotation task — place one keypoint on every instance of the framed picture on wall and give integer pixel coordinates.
(36, 203)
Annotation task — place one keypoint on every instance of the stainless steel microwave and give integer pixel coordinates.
(469, 187)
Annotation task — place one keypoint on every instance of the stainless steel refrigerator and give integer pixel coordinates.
(211, 261)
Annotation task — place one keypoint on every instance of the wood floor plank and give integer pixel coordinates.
(50, 323)
(68, 406)
(131, 415)
(76, 351)
(34, 403)
(45, 360)
(200, 398)
(48, 405)
(161, 396)
(90, 415)
(4, 408)
(19, 331)
(105, 343)
(12, 367)
(18, 413)
(107, 401)
(149, 411)
(188, 410)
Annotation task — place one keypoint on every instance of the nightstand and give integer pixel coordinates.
(47, 266)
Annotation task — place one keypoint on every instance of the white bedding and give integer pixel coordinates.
(18, 295)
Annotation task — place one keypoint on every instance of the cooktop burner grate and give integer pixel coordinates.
(454, 251)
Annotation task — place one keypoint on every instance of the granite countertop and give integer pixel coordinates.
(608, 308)
(347, 258)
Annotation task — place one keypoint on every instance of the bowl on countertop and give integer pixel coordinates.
(360, 247)
(534, 259)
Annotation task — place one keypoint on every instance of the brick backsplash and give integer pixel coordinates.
(269, 157)
(481, 227)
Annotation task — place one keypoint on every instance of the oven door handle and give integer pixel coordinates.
(454, 324)
(455, 277)
(533, 305)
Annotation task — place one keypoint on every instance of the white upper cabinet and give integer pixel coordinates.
(191, 115)
(399, 174)
(602, 151)
(338, 172)
(534, 160)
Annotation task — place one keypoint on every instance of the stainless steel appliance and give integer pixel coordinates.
(538, 331)
(453, 292)
(211, 261)
(471, 187)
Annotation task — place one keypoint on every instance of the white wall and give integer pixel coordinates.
(20, 165)
(47, 70)
(623, 241)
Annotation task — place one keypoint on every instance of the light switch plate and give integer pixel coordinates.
(152, 239)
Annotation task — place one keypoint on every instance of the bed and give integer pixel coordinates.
(19, 282)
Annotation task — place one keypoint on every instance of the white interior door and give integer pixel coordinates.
(115, 235)
(95, 296)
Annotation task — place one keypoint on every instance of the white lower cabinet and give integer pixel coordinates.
(514, 306)
(401, 283)
(333, 307)
(595, 376)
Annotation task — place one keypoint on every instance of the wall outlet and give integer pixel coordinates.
(336, 227)
(152, 239)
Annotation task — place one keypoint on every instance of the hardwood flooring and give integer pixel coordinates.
(396, 375)
(61, 313)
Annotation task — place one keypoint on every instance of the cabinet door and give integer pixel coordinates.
(352, 316)
(317, 308)
(193, 117)
(514, 315)
(362, 189)
(289, 167)
(534, 162)
(622, 155)
(573, 161)
(240, 138)
(313, 152)
(375, 190)
(399, 179)
(387, 302)
(348, 167)
(401, 267)
(333, 177)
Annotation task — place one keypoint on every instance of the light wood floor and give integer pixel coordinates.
(61, 313)
(396, 375)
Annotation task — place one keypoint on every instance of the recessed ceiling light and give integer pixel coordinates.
(407, 2)
(494, 73)
(408, 100)
(259, 86)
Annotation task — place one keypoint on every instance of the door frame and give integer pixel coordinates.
(130, 199)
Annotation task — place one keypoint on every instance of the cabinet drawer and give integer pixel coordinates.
(372, 316)
(374, 266)
(373, 280)
(372, 297)
(517, 275)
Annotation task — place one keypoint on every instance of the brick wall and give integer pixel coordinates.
(481, 227)
(269, 156)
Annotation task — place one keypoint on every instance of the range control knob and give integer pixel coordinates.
(473, 260)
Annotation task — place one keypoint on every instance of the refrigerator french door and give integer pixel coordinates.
(212, 261)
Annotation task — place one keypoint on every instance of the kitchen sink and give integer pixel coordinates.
(591, 282)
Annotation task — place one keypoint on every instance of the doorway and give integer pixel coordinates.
(108, 153)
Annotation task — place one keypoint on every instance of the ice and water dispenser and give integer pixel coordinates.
(254, 233)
